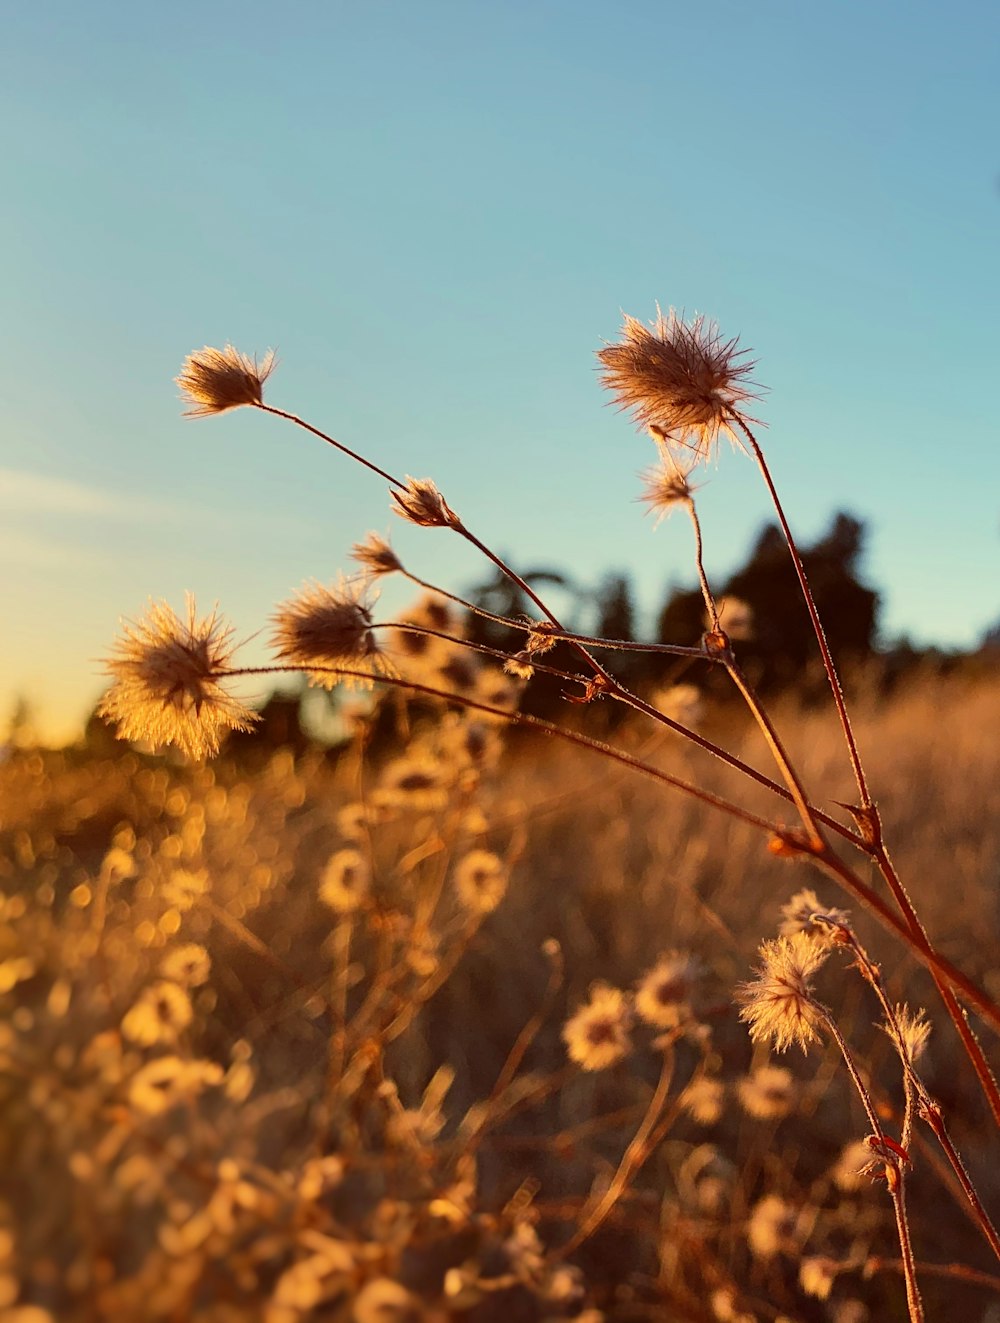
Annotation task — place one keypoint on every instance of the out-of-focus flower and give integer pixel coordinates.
(420, 502)
(213, 380)
(345, 881)
(682, 380)
(159, 1015)
(773, 1227)
(817, 1276)
(166, 1081)
(326, 631)
(188, 964)
(169, 681)
(735, 616)
(663, 996)
(850, 1169)
(682, 703)
(768, 1092)
(703, 1099)
(480, 881)
(778, 1005)
(414, 782)
(597, 1036)
(384, 1301)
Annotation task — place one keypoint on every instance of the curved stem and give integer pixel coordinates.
(338, 445)
(817, 624)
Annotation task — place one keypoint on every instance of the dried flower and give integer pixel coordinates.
(376, 555)
(421, 503)
(345, 881)
(597, 1035)
(799, 914)
(327, 630)
(850, 1168)
(768, 1092)
(779, 1004)
(666, 487)
(681, 379)
(213, 380)
(168, 681)
(480, 881)
(519, 664)
(914, 1031)
(663, 995)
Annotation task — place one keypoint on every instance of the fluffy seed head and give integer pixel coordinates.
(421, 503)
(773, 1227)
(799, 916)
(345, 881)
(598, 1034)
(214, 380)
(914, 1031)
(681, 380)
(324, 630)
(168, 678)
(665, 487)
(778, 1005)
(376, 556)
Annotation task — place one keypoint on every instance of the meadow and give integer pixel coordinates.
(481, 1016)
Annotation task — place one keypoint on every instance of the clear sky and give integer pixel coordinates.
(436, 212)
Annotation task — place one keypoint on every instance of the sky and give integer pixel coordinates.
(436, 213)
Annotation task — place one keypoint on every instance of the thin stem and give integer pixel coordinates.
(894, 1174)
(409, 628)
(817, 624)
(338, 445)
(706, 592)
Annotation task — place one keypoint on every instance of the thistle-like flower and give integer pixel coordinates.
(168, 682)
(421, 503)
(666, 487)
(682, 380)
(779, 1005)
(914, 1030)
(376, 556)
(214, 380)
(328, 630)
(663, 995)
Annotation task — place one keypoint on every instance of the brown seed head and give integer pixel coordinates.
(680, 379)
(666, 487)
(323, 630)
(421, 503)
(214, 380)
(169, 682)
(376, 556)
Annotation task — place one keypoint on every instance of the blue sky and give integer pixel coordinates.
(436, 213)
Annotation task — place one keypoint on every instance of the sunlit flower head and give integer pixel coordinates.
(376, 556)
(480, 881)
(817, 1275)
(325, 631)
(413, 782)
(683, 703)
(213, 380)
(768, 1092)
(168, 1080)
(663, 996)
(682, 380)
(421, 503)
(735, 616)
(799, 916)
(665, 487)
(778, 1005)
(851, 1168)
(914, 1031)
(169, 679)
(597, 1036)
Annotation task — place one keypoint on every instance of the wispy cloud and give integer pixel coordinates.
(22, 492)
